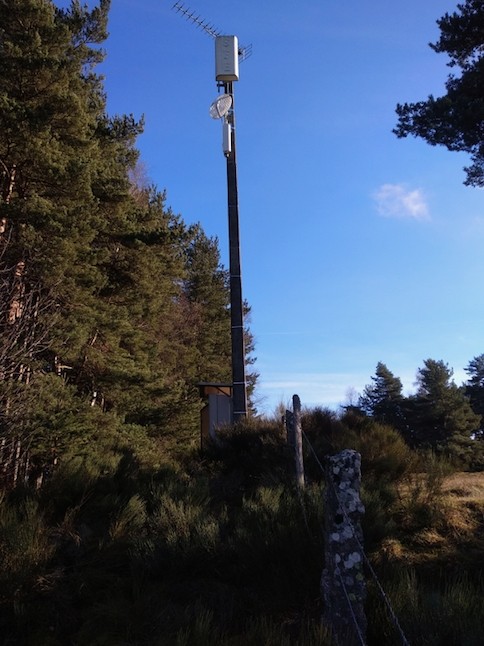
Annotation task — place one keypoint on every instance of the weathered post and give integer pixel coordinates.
(298, 449)
(292, 420)
(289, 423)
(342, 583)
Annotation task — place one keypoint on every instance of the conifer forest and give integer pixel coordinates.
(116, 528)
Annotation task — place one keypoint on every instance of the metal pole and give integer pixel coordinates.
(239, 388)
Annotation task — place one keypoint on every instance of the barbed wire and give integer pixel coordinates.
(313, 451)
(385, 597)
(350, 605)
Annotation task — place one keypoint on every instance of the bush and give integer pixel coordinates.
(432, 610)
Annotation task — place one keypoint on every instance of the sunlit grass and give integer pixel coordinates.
(468, 487)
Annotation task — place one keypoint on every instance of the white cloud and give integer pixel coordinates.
(397, 201)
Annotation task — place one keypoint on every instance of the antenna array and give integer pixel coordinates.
(197, 20)
(244, 51)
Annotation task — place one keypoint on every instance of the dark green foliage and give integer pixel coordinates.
(206, 289)
(324, 430)
(475, 388)
(251, 374)
(137, 556)
(128, 555)
(251, 455)
(108, 299)
(455, 119)
(383, 400)
(385, 456)
(440, 414)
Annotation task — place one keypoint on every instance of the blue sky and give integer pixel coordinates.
(357, 247)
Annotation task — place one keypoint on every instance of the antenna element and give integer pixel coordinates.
(243, 51)
(199, 22)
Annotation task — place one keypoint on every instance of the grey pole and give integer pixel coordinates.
(239, 386)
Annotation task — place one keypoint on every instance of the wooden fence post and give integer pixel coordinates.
(298, 449)
(292, 421)
(342, 583)
(289, 423)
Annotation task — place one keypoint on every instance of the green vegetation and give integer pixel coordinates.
(455, 119)
(114, 528)
(112, 309)
(440, 416)
(216, 547)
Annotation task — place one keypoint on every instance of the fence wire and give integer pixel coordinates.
(350, 606)
(374, 575)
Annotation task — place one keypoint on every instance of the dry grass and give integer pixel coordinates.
(463, 505)
(466, 487)
(460, 486)
(443, 520)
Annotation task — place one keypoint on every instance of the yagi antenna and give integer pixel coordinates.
(245, 52)
(192, 17)
(208, 28)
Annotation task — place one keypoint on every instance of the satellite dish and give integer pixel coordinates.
(221, 106)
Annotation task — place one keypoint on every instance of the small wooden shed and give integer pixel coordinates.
(217, 410)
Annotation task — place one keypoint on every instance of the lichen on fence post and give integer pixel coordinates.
(343, 585)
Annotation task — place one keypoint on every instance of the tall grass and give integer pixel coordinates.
(221, 548)
(260, 631)
(434, 609)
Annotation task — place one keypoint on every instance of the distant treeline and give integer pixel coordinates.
(441, 415)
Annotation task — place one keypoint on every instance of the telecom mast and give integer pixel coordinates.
(227, 56)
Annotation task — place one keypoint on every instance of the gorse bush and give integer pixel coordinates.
(377, 523)
(186, 529)
(24, 543)
(130, 520)
(221, 548)
(422, 505)
(385, 457)
(278, 540)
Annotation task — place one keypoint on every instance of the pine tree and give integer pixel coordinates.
(383, 399)
(50, 104)
(441, 416)
(455, 120)
(51, 117)
(206, 288)
(104, 286)
(76, 241)
(475, 388)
